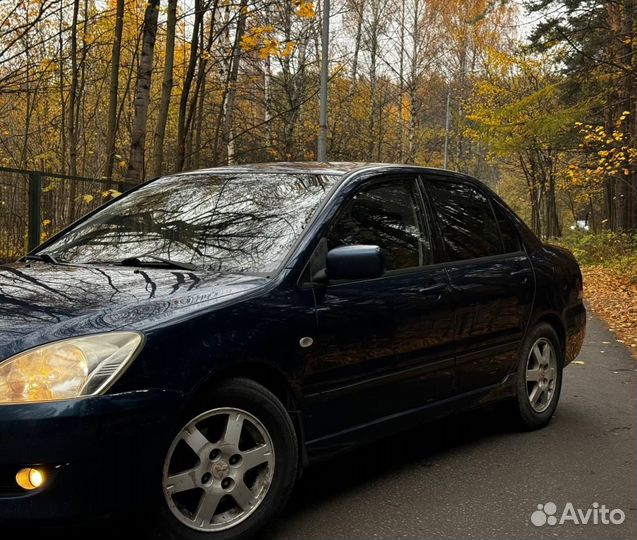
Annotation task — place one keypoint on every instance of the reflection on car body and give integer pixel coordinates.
(206, 336)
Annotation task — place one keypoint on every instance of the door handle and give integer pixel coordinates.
(436, 288)
(521, 272)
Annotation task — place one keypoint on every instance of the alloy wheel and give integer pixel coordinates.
(218, 469)
(541, 374)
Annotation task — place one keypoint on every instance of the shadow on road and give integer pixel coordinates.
(417, 447)
(346, 473)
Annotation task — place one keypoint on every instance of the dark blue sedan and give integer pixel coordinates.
(191, 346)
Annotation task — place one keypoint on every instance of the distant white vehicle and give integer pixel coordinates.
(580, 225)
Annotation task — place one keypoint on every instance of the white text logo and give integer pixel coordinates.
(596, 514)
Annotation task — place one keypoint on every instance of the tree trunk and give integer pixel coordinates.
(79, 109)
(373, 52)
(73, 92)
(62, 94)
(401, 85)
(113, 91)
(629, 56)
(267, 104)
(534, 194)
(413, 84)
(228, 136)
(135, 171)
(360, 9)
(185, 93)
(71, 124)
(166, 90)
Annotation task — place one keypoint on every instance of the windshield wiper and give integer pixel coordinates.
(164, 263)
(43, 256)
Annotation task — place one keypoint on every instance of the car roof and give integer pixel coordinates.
(334, 168)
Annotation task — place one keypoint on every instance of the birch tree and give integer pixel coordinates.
(135, 171)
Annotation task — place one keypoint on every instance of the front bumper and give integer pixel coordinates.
(98, 453)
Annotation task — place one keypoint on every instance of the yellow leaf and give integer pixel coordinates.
(111, 193)
(578, 362)
(288, 49)
(46, 223)
(306, 10)
(270, 47)
(87, 198)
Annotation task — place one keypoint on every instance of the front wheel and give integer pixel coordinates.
(230, 468)
(539, 378)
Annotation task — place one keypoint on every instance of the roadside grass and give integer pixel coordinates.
(609, 265)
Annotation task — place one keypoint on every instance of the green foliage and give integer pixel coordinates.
(616, 251)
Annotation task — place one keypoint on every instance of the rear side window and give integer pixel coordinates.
(385, 215)
(466, 221)
(510, 236)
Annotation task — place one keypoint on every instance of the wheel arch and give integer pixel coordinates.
(268, 376)
(557, 324)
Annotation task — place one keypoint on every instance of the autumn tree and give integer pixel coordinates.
(166, 90)
(113, 92)
(135, 171)
(517, 112)
(599, 44)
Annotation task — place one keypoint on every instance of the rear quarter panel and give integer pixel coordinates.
(559, 296)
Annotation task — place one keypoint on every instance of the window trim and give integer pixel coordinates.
(506, 217)
(477, 186)
(437, 238)
(421, 212)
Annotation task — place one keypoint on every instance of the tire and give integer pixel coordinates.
(240, 416)
(536, 401)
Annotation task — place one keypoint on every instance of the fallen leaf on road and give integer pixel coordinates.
(613, 298)
(578, 362)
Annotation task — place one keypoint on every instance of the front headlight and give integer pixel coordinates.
(70, 368)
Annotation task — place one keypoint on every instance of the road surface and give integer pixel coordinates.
(472, 477)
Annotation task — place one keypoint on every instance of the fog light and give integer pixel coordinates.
(30, 478)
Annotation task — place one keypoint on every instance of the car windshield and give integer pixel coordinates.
(242, 222)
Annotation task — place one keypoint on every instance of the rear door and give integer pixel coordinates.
(384, 346)
(491, 279)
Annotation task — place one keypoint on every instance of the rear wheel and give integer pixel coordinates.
(539, 378)
(230, 468)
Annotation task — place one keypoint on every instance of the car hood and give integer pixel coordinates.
(43, 302)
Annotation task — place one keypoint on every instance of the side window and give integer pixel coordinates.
(385, 215)
(465, 219)
(510, 236)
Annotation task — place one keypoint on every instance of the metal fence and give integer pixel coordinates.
(36, 204)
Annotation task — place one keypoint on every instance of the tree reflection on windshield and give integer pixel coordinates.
(243, 222)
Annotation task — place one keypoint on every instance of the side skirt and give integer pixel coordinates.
(323, 448)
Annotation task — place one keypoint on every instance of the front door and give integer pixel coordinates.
(384, 346)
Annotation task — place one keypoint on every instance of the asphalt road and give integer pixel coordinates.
(472, 476)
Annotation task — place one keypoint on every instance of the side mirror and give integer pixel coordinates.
(355, 262)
